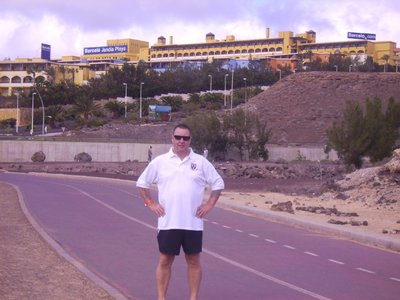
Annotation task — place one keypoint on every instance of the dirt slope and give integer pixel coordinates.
(302, 106)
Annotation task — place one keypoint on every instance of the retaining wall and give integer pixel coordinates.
(22, 151)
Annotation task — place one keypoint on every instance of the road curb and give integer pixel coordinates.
(373, 239)
(53, 244)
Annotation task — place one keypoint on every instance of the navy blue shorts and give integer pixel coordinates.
(171, 241)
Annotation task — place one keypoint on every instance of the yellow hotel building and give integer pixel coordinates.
(16, 75)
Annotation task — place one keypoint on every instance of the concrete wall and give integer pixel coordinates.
(22, 151)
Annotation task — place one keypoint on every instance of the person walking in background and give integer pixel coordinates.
(181, 177)
(205, 152)
(150, 154)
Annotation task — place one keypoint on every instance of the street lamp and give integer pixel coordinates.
(41, 101)
(280, 73)
(233, 71)
(226, 75)
(350, 68)
(17, 123)
(245, 100)
(33, 99)
(336, 67)
(140, 101)
(126, 94)
(210, 82)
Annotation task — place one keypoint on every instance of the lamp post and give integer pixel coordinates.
(17, 123)
(126, 94)
(233, 71)
(210, 82)
(336, 67)
(245, 101)
(350, 68)
(280, 73)
(33, 99)
(226, 75)
(140, 101)
(41, 101)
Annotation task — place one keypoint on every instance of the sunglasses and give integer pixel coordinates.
(180, 137)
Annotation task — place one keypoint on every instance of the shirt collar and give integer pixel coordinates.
(172, 154)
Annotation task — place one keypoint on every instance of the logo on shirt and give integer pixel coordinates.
(193, 166)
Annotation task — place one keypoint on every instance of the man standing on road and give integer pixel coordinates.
(181, 177)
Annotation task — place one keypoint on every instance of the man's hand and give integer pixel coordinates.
(157, 209)
(203, 209)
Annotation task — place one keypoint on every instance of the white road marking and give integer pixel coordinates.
(215, 223)
(289, 247)
(395, 279)
(365, 270)
(310, 253)
(265, 276)
(254, 235)
(238, 230)
(336, 261)
(220, 257)
(270, 241)
(225, 226)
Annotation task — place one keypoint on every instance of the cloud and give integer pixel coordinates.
(71, 26)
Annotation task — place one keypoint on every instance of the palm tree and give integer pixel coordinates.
(55, 113)
(85, 107)
(386, 59)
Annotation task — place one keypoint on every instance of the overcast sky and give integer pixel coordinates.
(69, 26)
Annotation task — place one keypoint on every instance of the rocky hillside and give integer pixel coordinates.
(300, 107)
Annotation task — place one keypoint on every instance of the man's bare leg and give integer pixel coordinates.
(163, 274)
(194, 274)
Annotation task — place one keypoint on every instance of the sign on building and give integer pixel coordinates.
(105, 50)
(46, 51)
(361, 36)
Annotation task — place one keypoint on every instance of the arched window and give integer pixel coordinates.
(185, 55)
(165, 55)
(198, 53)
(230, 52)
(179, 55)
(237, 51)
(28, 79)
(158, 55)
(244, 51)
(251, 51)
(192, 54)
(223, 52)
(360, 52)
(272, 49)
(4, 79)
(16, 79)
(217, 52)
(264, 50)
(279, 49)
(171, 55)
(211, 53)
(205, 53)
(258, 50)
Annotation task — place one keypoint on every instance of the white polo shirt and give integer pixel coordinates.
(181, 185)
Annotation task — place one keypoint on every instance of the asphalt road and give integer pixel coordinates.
(104, 226)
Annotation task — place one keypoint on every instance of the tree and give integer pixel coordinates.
(381, 134)
(262, 136)
(85, 107)
(116, 108)
(372, 134)
(349, 138)
(238, 130)
(206, 132)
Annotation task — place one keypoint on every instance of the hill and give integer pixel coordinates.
(301, 106)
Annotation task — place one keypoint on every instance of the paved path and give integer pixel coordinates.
(103, 225)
